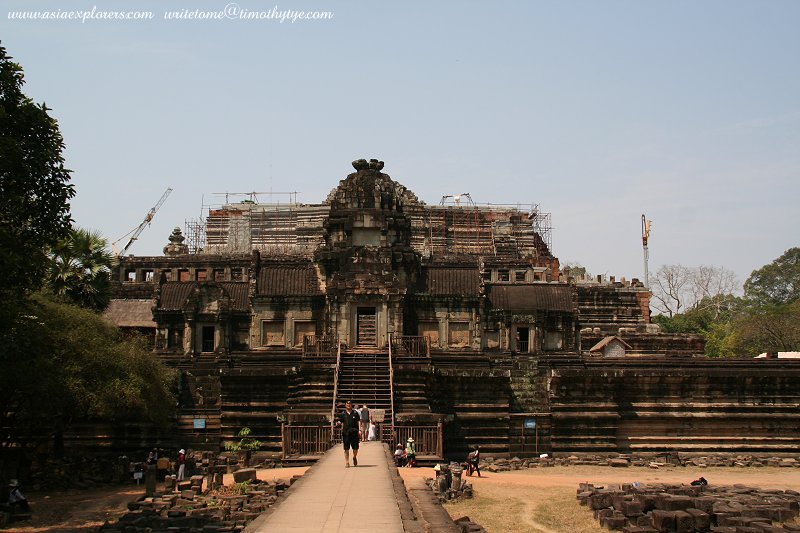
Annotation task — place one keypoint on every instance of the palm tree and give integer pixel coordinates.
(79, 269)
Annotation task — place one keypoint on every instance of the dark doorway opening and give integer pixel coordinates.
(523, 336)
(366, 326)
(208, 339)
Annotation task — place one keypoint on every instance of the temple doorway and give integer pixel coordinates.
(207, 344)
(366, 326)
(523, 336)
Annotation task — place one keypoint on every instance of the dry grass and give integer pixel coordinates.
(516, 509)
(542, 500)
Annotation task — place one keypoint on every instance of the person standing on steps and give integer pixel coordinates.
(364, 412)
(349, 421)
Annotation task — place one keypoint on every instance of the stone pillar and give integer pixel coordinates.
(188, 337)
(150, 481)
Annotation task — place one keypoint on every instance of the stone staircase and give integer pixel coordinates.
(310, 396)
(364, 379)
(411, 393)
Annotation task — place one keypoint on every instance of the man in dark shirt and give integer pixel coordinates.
(349, 421)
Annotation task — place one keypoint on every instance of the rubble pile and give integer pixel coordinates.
(492, 464)
(184, 507)
(663, 508)
(258, 460)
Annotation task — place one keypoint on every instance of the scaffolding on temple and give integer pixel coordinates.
(457, 226)
(275, 228)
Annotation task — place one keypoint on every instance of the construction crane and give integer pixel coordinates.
(645, 237)
(134, 233)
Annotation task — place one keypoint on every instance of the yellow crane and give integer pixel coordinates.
(135, 232)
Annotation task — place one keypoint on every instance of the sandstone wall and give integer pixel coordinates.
(688, 404)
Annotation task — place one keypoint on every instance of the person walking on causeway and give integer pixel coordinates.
(364, 412)
(349, 422)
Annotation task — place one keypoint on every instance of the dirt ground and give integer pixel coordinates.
(543, 499)
(84, 511)
(532, 500)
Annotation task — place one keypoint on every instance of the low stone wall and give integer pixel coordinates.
(493, 464)
(686, 508)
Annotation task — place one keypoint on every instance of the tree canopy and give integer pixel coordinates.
(776, 283)
(58, 362)
(80, 265)
(766, 319)
(34, 184)
(69, 363)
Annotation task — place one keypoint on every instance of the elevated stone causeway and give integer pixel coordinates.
(365, 498)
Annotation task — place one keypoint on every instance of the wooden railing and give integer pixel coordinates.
(305, 440)
(316, 440)
(427, 438)
(335, 387)
(320, 346)
(410, 346)
(391, 389)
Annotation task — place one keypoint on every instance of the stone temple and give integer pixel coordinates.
(453, 321)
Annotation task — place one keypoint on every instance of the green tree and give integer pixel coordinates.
(774, 328)
(34, 184)
(80, 266)
(246, 442)
(776, 283)
(713, 318)
(70, 364)
(771, 321)
(721, 339)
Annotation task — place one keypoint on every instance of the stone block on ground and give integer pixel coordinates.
(663, 520)
(684, 523)
(675, 503)
(600, 500)
(631, 508)
(700, 519)
(245, 474)
(639, 529)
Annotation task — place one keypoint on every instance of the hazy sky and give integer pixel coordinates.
(599, 111)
